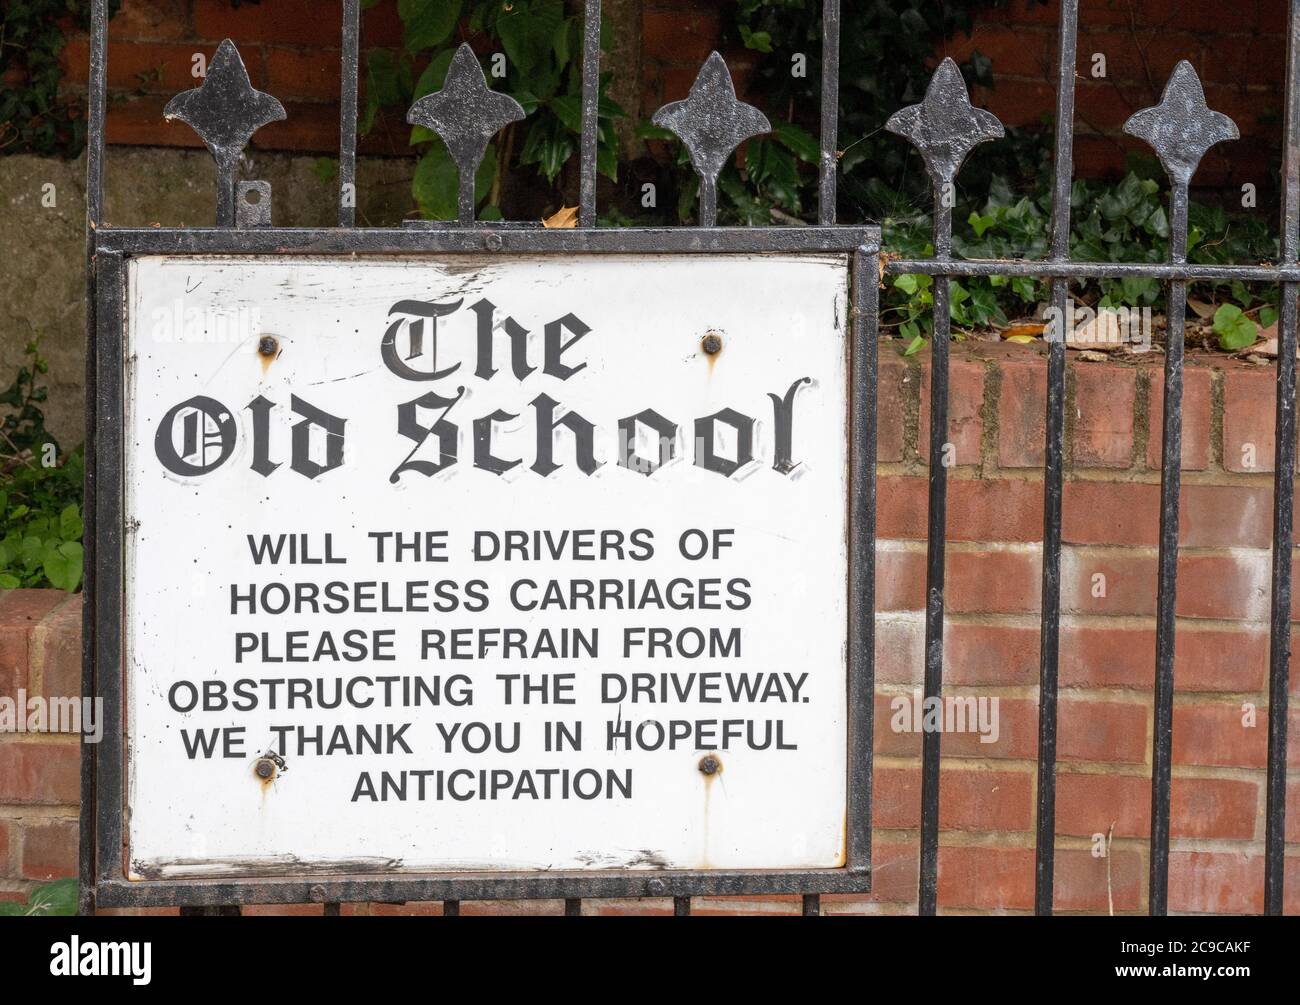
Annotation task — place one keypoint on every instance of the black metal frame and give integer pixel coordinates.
(114, 249)
(712, 123)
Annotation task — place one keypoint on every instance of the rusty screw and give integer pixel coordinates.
(709, 765)
(712, 343)
(264, 768)
(267, 345)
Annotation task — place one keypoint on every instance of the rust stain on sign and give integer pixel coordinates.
(268, 347)
(711, 344)
(267, 768)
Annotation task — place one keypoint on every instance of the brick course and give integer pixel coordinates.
(991, 650)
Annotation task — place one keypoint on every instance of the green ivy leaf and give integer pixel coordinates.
(646, 131)
(54, 899)
(798, 141)
(910, 282)
(1235, 330)
(70, 523)
(436, 183)
(528, 31)
(549, 145)
(427, 23)
(568, 109)
(62, 565)
(760, 41)
(383, 86)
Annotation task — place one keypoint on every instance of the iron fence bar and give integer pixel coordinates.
(865, 291)
(944, 127)
(451, 908)
(94, 219)
(590, 111)
(936, 533)
(452, 238)
(812, 905)
(1048, 269)
(830, 111)
(350, 57)
(1283, 490)
(681, 907)
(1180, 129)
(1050, 624)
(573, 907)
(1167, 581)
(108, 407)
(332, 909)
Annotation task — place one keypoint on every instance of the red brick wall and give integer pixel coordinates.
(995, 522)
(1238, 49)
(40, 654)
(291, 48)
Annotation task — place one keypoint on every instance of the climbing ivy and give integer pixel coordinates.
(34, 117)
(537, 61)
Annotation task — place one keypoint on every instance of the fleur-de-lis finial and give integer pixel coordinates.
(466, 113)
(712, 123)
(225, 110)
(1182, 127)
(945, 127)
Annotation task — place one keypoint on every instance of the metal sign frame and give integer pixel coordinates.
(114, 249)
(944, 127)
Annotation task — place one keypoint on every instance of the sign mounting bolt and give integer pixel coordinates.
(268, 345)
(709, 764)
(264, 768)
(712, 343)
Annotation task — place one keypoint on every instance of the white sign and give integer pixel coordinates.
(483, 564)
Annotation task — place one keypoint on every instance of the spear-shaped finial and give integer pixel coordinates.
(225, 110)
(466, 114)
(712, 123)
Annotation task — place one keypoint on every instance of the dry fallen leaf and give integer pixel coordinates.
(1201, 308)
(1023, 331)
(1269, 348)
(1020, 339)
(1102, 333)
(565, 218)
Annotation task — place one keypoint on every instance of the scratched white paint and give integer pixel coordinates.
(781, 319)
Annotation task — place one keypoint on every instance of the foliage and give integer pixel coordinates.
(33, 117)
(886, 54)
(47, 900)
(542, 69)
(40, 493)
(1119, 223)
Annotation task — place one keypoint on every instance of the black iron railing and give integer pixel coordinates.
(225, 111)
